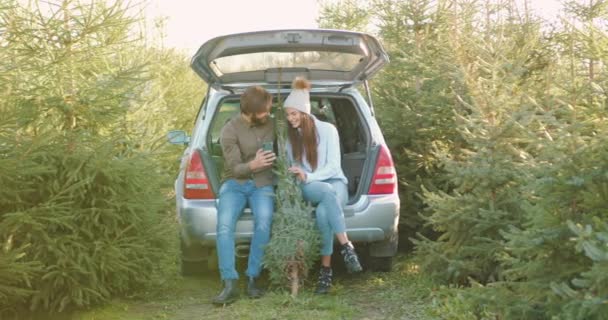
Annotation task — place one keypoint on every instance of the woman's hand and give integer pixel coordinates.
(300, 174)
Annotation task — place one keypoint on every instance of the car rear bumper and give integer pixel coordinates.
(370, 219)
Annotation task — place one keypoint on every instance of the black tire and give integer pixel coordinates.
(381, 264)
(195, 260)
(192, 268)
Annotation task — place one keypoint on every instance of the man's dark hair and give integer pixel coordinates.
(255, 100)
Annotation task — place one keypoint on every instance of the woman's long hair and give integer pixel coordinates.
(306, 141)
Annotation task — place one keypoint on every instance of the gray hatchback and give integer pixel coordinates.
(335, 62)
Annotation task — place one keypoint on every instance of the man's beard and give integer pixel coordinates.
(258, 121)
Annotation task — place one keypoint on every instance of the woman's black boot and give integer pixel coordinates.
(351, 260)
(324, 283)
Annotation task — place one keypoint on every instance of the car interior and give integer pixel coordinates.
(337, 110)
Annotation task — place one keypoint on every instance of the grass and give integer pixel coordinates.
(404, 293)
(400, 294)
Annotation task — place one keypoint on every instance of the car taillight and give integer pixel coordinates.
(196, 183)
(384, 180)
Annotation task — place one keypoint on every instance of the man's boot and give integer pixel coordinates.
(252, 290)
(351, 260)
(229, 294)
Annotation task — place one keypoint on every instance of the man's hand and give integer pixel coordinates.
(262, 160)
(300, 174)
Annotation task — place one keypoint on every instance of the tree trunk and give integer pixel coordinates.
(295, 280)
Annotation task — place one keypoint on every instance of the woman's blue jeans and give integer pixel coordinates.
(232, 200)
(329, 197)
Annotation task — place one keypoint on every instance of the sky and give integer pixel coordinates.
(189, 23)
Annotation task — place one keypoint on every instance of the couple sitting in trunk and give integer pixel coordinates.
(313, 149)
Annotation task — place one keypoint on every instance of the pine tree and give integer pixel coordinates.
(490, 170)
(552, 263)
(414, 95)
(557, 261)
(81, 206)
(170, 101)
(503, 121)
(294, 245)
(352, 15)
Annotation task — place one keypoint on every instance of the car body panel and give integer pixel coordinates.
(371, 219)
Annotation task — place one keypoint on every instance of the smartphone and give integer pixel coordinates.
(267, 146)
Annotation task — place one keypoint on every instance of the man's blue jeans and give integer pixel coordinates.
(232, 200)
(329, 196)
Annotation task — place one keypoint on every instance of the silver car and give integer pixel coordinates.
(336, 63)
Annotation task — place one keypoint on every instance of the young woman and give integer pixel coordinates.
(313, 148)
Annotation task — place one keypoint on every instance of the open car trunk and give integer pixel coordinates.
(337, 109)
(333, 57)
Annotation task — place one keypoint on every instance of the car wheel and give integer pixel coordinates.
(192, 268)
(195, 260)
(381, 264)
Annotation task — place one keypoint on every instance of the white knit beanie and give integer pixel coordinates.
(299, 97)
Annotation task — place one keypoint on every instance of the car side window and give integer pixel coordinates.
(225, 111)
(352, 139)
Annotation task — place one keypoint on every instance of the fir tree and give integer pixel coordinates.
(414, 97)
(491, 168)
(504, 122)
(81, 206)
(353, 15)
(556, 263)
(294, 245)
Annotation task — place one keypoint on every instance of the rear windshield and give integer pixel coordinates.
(314, 60)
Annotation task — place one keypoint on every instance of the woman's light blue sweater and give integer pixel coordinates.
(328, 155)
